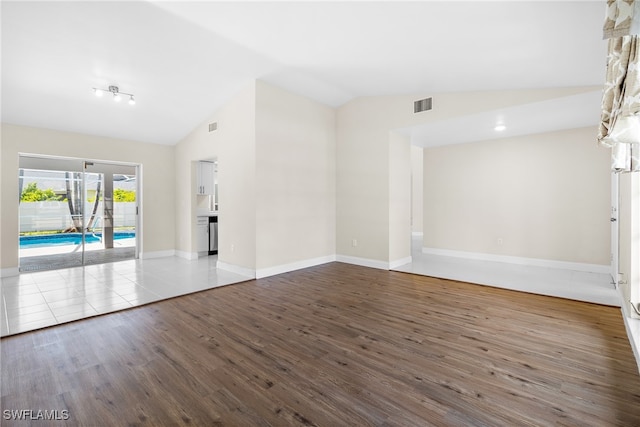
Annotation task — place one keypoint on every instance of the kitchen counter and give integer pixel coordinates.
(202, 212)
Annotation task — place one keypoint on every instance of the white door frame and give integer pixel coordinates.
(73, 164)
(615, 229)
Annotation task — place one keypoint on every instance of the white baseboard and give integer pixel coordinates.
(243, 271)
(298, 265)
(365, 262)
(157, 254)
(186, 255)
(9, 272)
(397, 263)
(536, 262)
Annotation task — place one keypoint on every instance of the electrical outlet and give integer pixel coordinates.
(499, 241)
(233, 247)
(354, 242)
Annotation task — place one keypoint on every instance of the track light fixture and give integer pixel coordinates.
(116, 94)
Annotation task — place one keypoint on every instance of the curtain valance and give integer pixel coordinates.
(620, 121)
(623, 19)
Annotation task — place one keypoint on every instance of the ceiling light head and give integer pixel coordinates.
(500, 127)
(117, 95)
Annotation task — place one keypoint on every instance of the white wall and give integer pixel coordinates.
(158, 191)
(363, 170)
(542, 196)
(629, 222)
(295, 179)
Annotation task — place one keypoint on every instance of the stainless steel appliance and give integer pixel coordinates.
(213, 235)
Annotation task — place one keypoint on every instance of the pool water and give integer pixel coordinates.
(67, 239)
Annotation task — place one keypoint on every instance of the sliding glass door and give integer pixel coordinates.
(111, 212)
(76, 212)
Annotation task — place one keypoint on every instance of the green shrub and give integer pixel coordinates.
(34, 194)
(120, 195)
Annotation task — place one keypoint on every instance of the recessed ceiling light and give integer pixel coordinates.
(499, 127)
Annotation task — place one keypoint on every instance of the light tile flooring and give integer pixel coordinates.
(39, 299)
(576, 285)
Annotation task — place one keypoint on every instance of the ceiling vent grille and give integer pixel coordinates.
(423, 105)
(213, 126)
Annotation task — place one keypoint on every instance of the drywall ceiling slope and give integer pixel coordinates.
(183, 60)
(568, 112)
(385, 48)
(53, 53)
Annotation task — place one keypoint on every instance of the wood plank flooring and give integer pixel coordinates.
(333, 345)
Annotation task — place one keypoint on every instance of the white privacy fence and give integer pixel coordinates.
(51, 216)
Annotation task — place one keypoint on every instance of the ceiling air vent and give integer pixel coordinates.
(213, 126)
(423, 105)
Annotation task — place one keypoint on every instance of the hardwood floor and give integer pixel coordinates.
(333, 345)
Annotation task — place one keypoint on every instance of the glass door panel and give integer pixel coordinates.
(75, 213)
(51, 219)
(116, 213)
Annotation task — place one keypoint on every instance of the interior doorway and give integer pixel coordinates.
(76, 212)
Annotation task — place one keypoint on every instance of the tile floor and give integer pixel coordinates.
(39, 299)
(576, 285)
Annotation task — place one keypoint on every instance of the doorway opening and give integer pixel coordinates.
(76, 212)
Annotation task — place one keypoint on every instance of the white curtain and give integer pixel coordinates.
(620, 124)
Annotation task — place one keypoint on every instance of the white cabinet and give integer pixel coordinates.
(206, 173)
(202, 232)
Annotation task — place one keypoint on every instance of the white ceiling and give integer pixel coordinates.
(568, 112)
(183, 60)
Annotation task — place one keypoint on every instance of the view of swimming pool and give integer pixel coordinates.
(67, 239)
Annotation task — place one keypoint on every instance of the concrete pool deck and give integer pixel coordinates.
(66, 256)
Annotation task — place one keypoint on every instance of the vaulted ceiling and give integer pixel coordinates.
(183, 60)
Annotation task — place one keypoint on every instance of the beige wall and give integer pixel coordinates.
(363, 170)
(417, 192)
(233, 145)
(295, 178)
(399, 199)
(158, 191)
(362, 180)
(290, 172)
(276, 180)
(237, 180)
(542, 196)
(200, 144)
